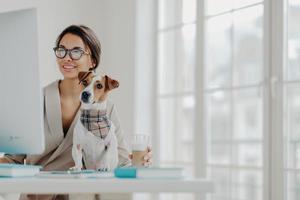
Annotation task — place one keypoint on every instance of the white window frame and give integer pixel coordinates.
(275, 16)
(278, 62)
(274, 59)
(277, 31)
(199, 129)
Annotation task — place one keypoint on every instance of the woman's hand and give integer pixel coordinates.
(147, 158)
(3, 160)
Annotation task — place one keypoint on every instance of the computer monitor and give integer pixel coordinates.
(21, 99)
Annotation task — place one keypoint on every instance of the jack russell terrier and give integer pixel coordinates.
(94, 139)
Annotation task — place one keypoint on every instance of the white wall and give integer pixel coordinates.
(118, 37)
(113, 22)
(145, 120)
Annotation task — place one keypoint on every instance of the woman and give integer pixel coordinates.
(77, 49)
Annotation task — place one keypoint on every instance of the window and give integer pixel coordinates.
(176, 34)
(249, 92)
(291, 105)
(234, 97)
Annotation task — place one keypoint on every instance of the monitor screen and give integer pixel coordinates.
(21, 99)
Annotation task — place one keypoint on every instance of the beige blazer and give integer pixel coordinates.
(57, 154)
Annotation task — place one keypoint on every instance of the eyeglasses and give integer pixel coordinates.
(75, 54)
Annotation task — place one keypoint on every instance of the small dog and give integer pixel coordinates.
(94, 139)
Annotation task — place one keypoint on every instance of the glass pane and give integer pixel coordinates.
(189, 169)
(218, 126)
(184, 128)
(219, 153)
(242, 3)
(235, 184)
(185, 118)
(222, 180)
(247, 184)
(292, 103)
(248, 46)
(186, 153)
(293, 70)
(293, 150)
(218, 49)
(189, 8)
(166, 62)
(176, 60)
(248, 114)
(169, 13)
(186, 48)
(214, 7)
(167, 129)
(218, 6)
(218, 116)
(292, 125)
(293, 185)
(249, 154)
(176, 117)
(248, 127)
(174, 12)
(294, 2)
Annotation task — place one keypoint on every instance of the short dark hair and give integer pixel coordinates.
(88, 37)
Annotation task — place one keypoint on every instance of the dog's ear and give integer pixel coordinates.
(83, 75)
(110, 83)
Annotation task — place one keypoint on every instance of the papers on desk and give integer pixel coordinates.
(18, 170)
(75, 174)
(120, 172)
(150, 172)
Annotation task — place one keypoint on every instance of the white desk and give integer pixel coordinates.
(102, 185)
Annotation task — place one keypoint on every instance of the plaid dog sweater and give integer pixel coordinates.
(96, 121)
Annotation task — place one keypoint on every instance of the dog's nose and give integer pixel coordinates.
(85, 96)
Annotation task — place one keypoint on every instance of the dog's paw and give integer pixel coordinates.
(74, 168)
(103, 168)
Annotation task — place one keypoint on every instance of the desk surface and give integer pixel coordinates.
(102, 185)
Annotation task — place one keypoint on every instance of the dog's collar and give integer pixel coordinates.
(95, 121)
(92, 112)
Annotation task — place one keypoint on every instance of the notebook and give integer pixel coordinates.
(18, 170)
(151, 172)
(75, 174)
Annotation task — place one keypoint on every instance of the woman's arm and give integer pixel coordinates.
(7, 158)
(3, 160)
(123, 148)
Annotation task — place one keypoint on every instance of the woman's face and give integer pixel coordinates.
(68, 66)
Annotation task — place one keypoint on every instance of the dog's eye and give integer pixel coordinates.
(84, 83)
(99, 86)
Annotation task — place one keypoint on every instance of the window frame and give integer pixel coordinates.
(274, 59)
(277, 56)
(275, 45)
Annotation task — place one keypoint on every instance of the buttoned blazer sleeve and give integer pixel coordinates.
(19, 159)
(123, 148)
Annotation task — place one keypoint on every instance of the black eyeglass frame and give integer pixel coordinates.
(68, 51)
